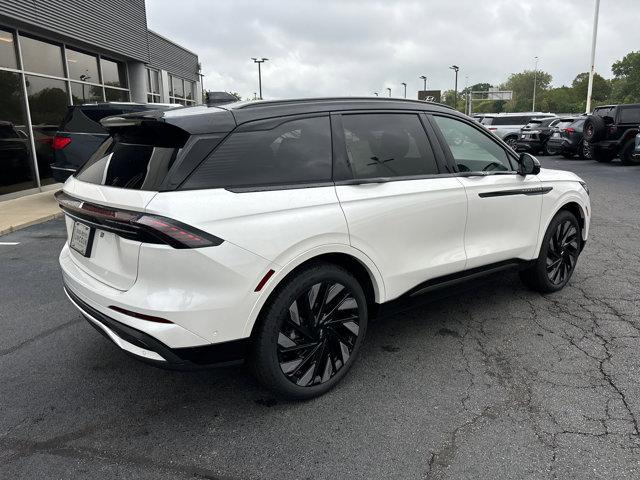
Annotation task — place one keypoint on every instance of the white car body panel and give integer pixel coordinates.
(423, 219)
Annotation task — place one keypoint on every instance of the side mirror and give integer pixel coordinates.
(528, 165)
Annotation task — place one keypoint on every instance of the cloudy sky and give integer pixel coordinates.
(357, 47)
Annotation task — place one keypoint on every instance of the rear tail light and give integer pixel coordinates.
(138, 226)
(59, 143)
(568, 130)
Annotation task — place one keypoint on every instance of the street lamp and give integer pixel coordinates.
(376, 94)
(593, 54)
(259, 61)
(405, 89)
(535, 80)
(455, 68)
(388, 88)
(425, 82)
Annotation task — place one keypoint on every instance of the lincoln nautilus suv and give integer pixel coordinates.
(270, 231)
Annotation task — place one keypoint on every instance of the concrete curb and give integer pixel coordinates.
(29, 223)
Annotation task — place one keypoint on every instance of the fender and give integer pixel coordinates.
(282, 271)
(564, 199)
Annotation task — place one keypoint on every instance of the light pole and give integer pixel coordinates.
(405, 89)
(389, 88)
(259, 61)
(425, 82)
(455, 68)
(593, 55)
(535, 81)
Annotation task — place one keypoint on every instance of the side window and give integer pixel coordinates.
(472, 150)
(387, 145)
(298, 151)
(630, 115)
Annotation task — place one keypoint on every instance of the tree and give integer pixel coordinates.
(522, 86)
(601, 87)
(626, 84)
(478, 87)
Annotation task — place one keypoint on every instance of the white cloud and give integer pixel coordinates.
(356, 47)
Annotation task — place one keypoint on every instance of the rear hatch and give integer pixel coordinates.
(531, 130)
(104, 202)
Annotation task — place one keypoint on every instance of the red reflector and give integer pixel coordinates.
(492, 128)
(59, 143)
(264, 280)
(141, 316)
(569, 130)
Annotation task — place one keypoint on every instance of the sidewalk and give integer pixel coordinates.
(29, 210)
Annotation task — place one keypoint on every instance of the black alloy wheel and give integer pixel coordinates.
(319, 334)
(562, 252)
(512, 142)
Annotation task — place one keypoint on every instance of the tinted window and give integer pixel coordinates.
(7, 50)
(297, 151)
(487, 120)
(137, 158)
(387, 145)
(41, 57)
(84, 93)
(113, 73)
(630, 115)
(82, 66)
(604, 112)
(472, 150)
(87, 120)
(564, 124)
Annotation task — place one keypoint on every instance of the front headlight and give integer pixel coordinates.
(585, 186)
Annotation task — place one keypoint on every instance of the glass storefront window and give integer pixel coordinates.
(113, 95)
(82, 66)
(16, 166)
(188, 87)
(41, 57)
(177, 87)
(113, 73)
(48, 102)
(84, 93)
(153, 82)
(7, 50)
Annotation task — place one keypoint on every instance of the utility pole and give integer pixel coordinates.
(535, 81)
(259, 61)
(455, 68)
(425, 82)
(388, 88)
(593, 55)
(405, 89)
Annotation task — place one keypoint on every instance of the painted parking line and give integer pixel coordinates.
(9, 243)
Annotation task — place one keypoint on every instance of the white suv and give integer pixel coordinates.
(268, 231)
(507, 125)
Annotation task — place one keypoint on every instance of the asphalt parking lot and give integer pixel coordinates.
(493, 381)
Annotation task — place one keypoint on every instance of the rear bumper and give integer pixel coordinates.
(562, 145)
(150, 350)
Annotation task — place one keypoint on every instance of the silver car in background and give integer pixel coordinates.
(507, 125)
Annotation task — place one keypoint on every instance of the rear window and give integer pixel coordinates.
(294, 152)
(137, 158)
(630, 115)
(533, 124)
(564, 123)
(86, 120)
(604, 112)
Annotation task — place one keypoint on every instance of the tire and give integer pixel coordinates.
(585, 151)
(512, 141)
(602, 156)
(558, 256)
(626, 153)
(315, 350)
(549, 150)
(594, 128)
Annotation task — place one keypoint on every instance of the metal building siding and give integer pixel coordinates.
(118, 26)
(168, 56)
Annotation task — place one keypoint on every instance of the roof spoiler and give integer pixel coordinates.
(132, 119)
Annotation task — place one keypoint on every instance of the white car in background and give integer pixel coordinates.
(269, 231)
(507, 125)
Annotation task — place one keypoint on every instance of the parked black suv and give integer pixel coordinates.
(611, 130)
(80, 133)
(567, 139)
(534, 135)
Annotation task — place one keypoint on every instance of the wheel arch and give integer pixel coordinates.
(573, 205)
(352, 259)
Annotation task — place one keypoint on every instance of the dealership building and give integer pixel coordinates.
(67, 52)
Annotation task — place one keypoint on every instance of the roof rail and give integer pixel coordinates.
(268, 103)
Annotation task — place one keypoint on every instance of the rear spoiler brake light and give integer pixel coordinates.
(134, 225)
